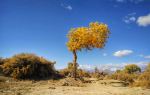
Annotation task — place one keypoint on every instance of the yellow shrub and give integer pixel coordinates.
(83, 73)
(28, 66)
(143, 80)
(124, 77)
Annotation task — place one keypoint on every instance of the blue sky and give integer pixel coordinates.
(41, 26)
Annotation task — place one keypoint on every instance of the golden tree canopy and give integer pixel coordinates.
(93, 36)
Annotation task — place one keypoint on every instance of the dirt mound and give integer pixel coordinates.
(71, 82)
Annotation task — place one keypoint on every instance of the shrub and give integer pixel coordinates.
(132, 68)
(143, 80)
(134, 79)
(28, 66)
(148, 68)
(83, 73)
(124, 77)
(1, 70)
(67, 71)
(98, 74)
(1, 61)
(64, 72)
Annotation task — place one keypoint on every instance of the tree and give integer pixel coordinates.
(93, 36)
(96, 70)
(132, 68)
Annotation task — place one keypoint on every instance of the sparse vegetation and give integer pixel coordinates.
(131, 75)
(30, 66)
(83, 73)
(98, 74)
(67, 71)
(128, 74)
(123, 77)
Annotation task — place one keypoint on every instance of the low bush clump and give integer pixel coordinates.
(143, 80)
(64, 72)
(83, 73)
(128, 74)
(123, 77)
(28, 66)
(69, 72)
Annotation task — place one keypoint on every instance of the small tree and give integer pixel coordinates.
(132, 68)
(93, 36)
(96, 70)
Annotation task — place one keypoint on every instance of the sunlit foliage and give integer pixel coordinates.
(93, 36)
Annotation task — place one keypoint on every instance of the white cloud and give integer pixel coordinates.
(129, 18)
(132, 18)
(141, 55)
(148, 56)
(68, 7)
(120, 1)
(104, 54)
(130, 1)
(143, 20)
(122, 53)
(131, 14)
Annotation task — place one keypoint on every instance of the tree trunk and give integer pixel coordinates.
(75, 64)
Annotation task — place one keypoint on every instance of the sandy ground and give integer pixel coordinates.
(50, 87)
